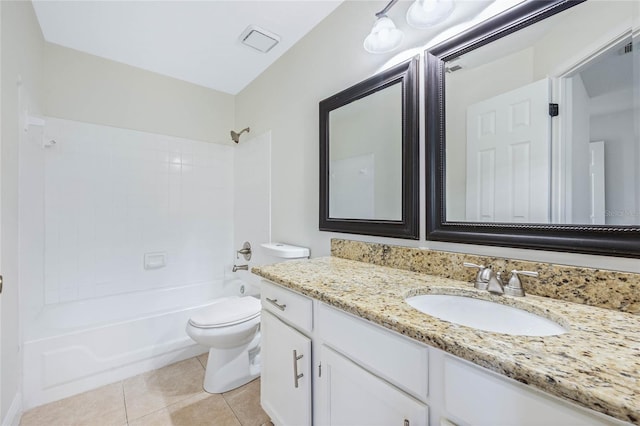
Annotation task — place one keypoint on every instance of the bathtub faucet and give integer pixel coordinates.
(237, 268)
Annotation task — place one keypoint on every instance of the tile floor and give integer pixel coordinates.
(171, 395)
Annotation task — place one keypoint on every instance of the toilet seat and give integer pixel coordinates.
(227, 313)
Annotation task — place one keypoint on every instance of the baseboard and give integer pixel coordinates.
(15, 412)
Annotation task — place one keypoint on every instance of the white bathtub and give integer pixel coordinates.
(73, 347)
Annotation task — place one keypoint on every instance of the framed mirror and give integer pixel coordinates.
(533, 130)
(369, 165)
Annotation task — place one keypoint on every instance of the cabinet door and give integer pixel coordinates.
(286, 373)
(350, 395)
(479, 397)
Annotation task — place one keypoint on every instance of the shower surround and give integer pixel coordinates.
(91, 207)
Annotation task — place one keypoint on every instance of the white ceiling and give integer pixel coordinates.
(195, 41)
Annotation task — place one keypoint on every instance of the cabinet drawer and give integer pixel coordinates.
(396, 359)
(287, 305)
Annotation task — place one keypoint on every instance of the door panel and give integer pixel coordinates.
(350, 395)
(286, 400)
(597, 183)
(508, 165)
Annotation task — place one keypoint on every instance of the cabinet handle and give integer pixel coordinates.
(275, 303)
(296, 376)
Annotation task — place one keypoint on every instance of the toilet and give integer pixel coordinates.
(230, 329)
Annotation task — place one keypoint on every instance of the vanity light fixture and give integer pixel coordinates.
(426, 13)
(385, 37)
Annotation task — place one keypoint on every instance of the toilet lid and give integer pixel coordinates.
(228, 312)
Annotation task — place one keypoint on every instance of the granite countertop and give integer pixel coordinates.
(595, 364)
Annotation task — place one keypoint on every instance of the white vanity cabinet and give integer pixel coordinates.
(285, 386)
(365, 374)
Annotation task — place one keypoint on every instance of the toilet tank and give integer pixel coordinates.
(285, 252)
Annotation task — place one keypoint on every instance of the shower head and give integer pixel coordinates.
(236, 136)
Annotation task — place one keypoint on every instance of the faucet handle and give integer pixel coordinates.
(514, 286)
(483, 276)
(245, 251)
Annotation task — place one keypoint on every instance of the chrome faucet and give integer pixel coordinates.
(491, 281)
(237, 268)
(495, 284)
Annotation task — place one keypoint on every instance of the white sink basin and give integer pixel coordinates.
(485, 315)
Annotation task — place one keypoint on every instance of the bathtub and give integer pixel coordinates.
(73, 347)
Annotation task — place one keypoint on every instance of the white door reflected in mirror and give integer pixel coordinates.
(365, 165)
(590, 54)
(508, 167)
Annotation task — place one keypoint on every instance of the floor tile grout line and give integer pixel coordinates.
(239, 391)
(155, 371)
(232, 410)
(198, 358)
(171, 405)
(124, 402)
(149, 413)
(243, 389)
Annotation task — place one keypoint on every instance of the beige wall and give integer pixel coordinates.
(285, 99)
(83, 87)
(22, 54)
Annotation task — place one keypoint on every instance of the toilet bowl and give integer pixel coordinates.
(231, 331)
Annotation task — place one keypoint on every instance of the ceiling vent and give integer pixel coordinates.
(259, 39)
(628, 48)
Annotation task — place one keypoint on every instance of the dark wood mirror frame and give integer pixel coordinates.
(407, 227)
(593, 239)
